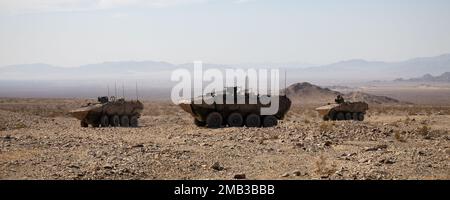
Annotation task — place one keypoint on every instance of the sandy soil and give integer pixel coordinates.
(39, 141)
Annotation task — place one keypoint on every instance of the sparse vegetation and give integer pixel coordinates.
(323, 168)
(400, 136)
(326, 127)
(424, 131)
(168, 138)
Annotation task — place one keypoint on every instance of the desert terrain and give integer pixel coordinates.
(39, 140)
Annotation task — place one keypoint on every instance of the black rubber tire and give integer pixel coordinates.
(115, 121)
(214, 120)
(124, 121)
(340, 116)
(360, 116)
(348, 116)
(253, 120)
(355, 116)
(270, 121)
(84, 124)
(235, 120)
(332, 116)
(104, 121)
(199, 123)
(134, 121)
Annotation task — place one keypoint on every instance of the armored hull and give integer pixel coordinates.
(109, 113)
(344, 111)
(245, 113)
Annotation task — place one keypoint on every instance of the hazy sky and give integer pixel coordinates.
(74, 32)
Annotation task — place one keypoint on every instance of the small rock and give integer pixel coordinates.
(239, 176)
(328, 143)
(107, 166)
(363, 160)
(297, 173)
(447, 151)
(376, 148)
(216, 166)
(421, 153)
(388, 161)
(205, 144)
(285, 175)
(300, 145)
(74, 166)
(138, 146)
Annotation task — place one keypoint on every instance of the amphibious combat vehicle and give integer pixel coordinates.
(241, 112)
(108, 112)
(342, 110)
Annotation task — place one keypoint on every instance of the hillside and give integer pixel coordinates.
(307, 93)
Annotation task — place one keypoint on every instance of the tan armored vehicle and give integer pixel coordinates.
(342, 110)
(107, 113)
(214, 115)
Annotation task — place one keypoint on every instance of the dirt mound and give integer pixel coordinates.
(371, 99)
(307, 93)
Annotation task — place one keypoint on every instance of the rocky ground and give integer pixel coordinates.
(42, 142)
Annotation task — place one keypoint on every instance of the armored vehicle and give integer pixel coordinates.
(108, 112)
(235, 114)
(342, 110)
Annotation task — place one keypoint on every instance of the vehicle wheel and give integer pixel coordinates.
(332, 116)
(214, 120)
(340, 116)
(360, 116)
(115, 121)
(124, 121)
(96, 125)
(104, 121)
(199, 123)
(84, 124)
(355, 116)
(253, 120)
(134, 121)
(270, 121)
(235, 120)
(348, 116)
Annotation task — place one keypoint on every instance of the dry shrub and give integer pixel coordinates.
(323, 168)
(325, 127)
(424, 131)
(20, 125)
(274, 136)
(395, 124)
(399, 136)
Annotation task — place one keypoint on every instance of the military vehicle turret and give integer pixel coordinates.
(213, 115)
(342, 110)
(108, 113)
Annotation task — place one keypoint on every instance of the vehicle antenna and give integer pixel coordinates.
(246, 85)
(285, 80)
(137, 94)
(123, 90)
(115, 89)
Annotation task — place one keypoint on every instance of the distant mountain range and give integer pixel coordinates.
(154, 78)
(445, 77)
(340, 72)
